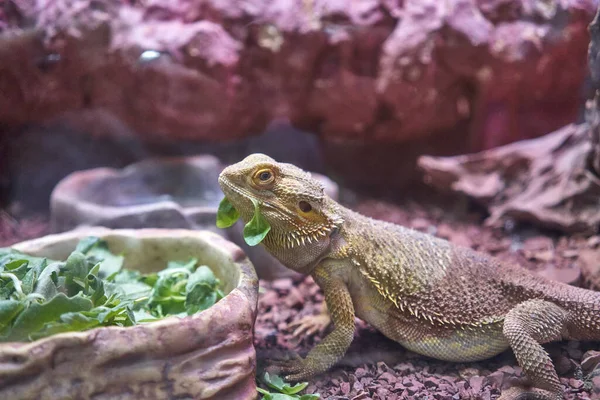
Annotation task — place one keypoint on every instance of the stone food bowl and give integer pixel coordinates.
(209, 355)
(170, 192)
(179, 192)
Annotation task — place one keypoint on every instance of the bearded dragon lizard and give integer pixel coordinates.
(434, 298)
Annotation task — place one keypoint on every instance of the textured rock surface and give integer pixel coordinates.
(379, 70)
(553, 181)
(207, 356)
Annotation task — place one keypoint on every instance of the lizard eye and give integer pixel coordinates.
(264, 177)
(305, 206)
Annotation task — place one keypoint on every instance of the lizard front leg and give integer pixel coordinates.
(333, 346)
(312, 324)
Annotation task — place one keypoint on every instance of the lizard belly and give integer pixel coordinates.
(420, 336)
(459, 346)
(443, 344)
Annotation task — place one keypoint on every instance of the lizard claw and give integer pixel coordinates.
(309, 325)
(299, 376)
(293, 370)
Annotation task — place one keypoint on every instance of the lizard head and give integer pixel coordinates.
(292, 202)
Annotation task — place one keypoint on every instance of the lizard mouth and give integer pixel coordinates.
(235, 193)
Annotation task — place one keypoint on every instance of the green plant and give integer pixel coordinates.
(41, 297)
(254, 231)
(284, 390)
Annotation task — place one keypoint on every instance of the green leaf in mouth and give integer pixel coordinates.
(227, 215)
(258, 227)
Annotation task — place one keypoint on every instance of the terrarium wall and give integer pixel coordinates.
(358, 90)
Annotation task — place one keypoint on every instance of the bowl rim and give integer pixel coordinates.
(247, 286)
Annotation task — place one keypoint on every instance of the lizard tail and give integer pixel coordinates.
(583, 306)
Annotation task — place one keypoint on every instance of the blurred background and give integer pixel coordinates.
(358, 89)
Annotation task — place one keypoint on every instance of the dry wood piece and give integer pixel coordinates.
(549, 181)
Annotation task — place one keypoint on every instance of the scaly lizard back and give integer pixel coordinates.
(445, 284)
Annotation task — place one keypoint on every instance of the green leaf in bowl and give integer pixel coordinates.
(201, 290)
(34, 317)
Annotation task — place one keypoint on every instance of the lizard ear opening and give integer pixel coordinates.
(305, 206)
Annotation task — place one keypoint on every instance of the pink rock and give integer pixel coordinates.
(596, 384)
(589, 260)
(414, 387)
(357, 386)
(390, 378)
(282, 284)
(345, 388)
(538, 243)
(476, 383)
(594, 241)
(382, 393)
(294, 298)
(507, 369)
(431, 382)
(569, 275)
(447, 387)
(360, 372)
(590, 360)
(575, 383)
(269, 298)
